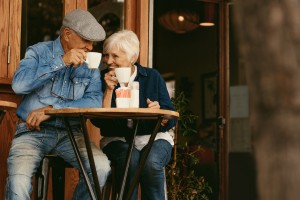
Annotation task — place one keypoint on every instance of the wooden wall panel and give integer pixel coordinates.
(7, 130)
(14, 36)
(4, 16)
(82, 4)
(130, 15)
(68, 6)
(142, 28)
(136, 20)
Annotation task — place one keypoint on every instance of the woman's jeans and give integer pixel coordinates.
(28, 149)
(152, 178)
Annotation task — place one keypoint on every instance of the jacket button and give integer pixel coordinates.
(56, 67)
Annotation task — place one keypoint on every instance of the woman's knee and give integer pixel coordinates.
(102, 164)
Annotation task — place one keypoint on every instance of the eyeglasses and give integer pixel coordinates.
(63, 98)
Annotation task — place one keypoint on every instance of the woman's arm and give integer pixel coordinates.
(110, 82)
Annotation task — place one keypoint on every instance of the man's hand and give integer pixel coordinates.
(110, 81)
(74, 56)
(35, 117)
(153, 104)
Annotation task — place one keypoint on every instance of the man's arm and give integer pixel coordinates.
(34, 71)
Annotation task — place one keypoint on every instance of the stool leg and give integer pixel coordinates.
(58, 183)
(41, 180)
(107, 188)
(165, 186)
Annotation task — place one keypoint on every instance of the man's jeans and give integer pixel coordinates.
(28, 149)
(152, 178)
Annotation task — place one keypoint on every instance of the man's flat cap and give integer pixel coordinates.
(84, 24)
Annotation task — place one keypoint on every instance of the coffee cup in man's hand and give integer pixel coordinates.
(93, 60)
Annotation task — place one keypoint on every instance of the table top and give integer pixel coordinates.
(131, 113)
(7, 105)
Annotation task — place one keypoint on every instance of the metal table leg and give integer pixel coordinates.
(90, 156)
(2, 113)
(144, 158)
(128, 157)
(74, 145)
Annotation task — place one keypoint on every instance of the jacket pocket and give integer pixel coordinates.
(80, 84)
(45, 90)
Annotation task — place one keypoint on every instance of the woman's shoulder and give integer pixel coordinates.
(148, 71)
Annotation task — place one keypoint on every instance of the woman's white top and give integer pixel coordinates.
(140, 140)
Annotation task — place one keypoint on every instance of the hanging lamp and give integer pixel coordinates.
(175, 21)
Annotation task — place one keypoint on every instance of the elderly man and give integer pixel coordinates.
(51, 76)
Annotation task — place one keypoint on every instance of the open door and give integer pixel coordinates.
(194, 58)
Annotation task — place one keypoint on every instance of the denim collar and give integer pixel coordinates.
(141, 70)
(57, 48)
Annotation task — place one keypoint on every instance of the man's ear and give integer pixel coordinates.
(67, 34)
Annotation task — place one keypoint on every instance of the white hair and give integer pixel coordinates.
(125, 40)
(62, 29)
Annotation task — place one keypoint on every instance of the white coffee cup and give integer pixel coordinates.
(123, 74)
(93, 60)
(123, 102)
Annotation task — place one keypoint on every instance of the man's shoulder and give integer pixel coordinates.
(43, 49)
(43, 45)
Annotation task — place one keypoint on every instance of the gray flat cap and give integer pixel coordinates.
(84, 24)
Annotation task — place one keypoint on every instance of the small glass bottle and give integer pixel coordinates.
(135, 95)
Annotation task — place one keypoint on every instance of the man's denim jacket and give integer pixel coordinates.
(43, 70)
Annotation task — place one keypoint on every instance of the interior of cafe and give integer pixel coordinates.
(192, 44)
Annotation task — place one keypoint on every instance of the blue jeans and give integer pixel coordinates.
(28, 149)
(152, 178)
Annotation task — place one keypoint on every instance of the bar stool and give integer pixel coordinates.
(109, 187)
(58, 178)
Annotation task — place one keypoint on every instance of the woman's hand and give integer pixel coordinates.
(110, 81)
(153, 104)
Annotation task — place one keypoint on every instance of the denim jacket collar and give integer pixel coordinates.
(57, 48)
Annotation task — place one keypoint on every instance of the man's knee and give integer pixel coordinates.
(18, 187)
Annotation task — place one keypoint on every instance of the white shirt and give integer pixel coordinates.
(140, 140)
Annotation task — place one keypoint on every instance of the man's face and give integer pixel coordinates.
(74, 41)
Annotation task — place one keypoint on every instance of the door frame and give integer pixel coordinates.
(223, 80)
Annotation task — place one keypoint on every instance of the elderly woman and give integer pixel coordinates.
(122, 50)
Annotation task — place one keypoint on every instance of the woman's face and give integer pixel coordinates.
(116, 58)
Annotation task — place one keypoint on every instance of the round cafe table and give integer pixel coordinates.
(112, 113)
(6, 106)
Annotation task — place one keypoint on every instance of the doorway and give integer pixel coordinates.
(187, 55)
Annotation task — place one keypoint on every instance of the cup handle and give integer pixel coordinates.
(86, 61)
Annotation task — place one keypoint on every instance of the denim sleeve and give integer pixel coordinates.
(92, 98)
(165, 103)
(34, 71)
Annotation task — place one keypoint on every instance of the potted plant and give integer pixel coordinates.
(181, 182)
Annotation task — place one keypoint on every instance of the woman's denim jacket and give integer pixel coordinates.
(152, 86)
(42, 71)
